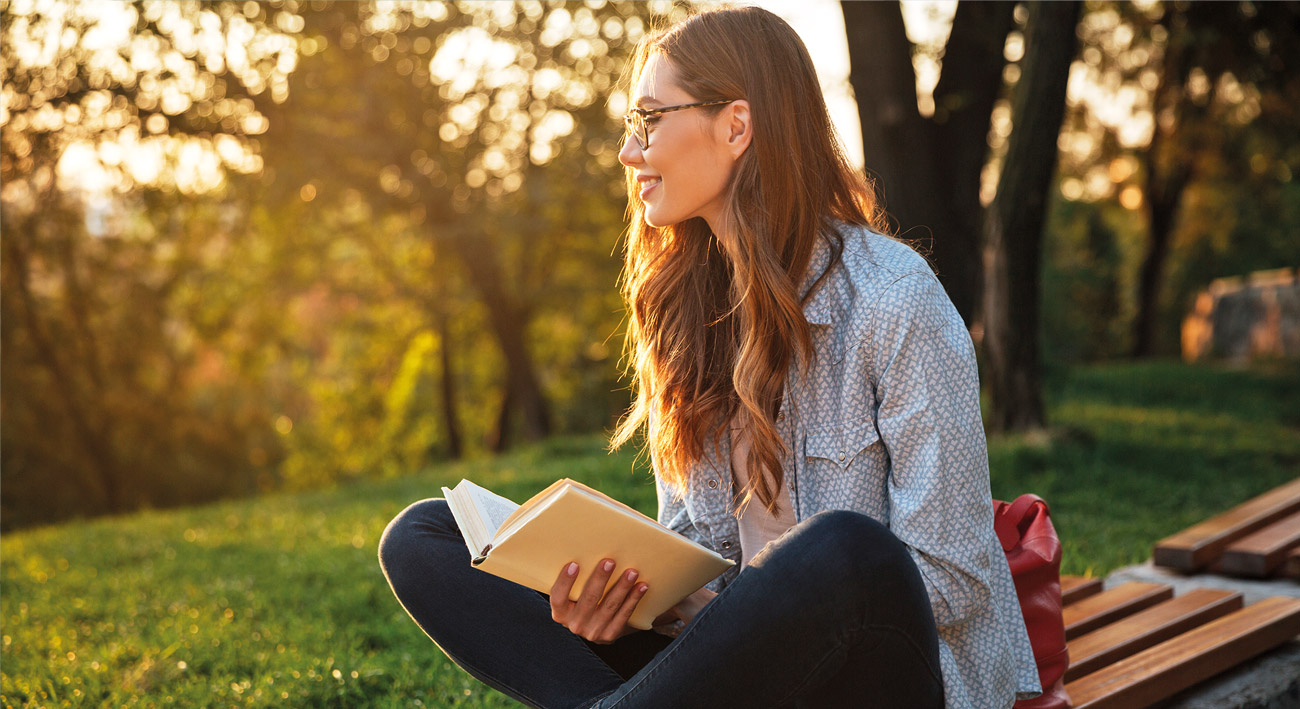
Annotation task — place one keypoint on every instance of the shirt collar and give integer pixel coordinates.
(818, 308)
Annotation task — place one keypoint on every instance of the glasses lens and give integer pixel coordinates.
(636, 126)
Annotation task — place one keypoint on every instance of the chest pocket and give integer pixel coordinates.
(840, 442)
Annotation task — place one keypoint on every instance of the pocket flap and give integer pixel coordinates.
(840, 442)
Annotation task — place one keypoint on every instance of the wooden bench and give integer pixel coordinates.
(1255, 535)
(1137, 644)
(1097, 610)
(1111, 643)
(1077, 588)
(1261, 553)
(1188, 658)
(1292, 567)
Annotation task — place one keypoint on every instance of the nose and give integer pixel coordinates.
(630, 153)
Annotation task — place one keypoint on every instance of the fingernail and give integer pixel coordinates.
(631, 574)
(572, 568)
(609, 566)
(642, 588)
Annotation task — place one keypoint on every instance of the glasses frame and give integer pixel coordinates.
(642, 116)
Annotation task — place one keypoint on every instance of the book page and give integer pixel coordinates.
(493, 509)
(466, 515)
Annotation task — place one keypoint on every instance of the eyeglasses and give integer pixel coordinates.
(637, 119)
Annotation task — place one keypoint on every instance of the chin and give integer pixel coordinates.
(652, 220)
(655, 219)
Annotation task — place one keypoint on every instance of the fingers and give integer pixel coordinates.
(597, 615)
(581, 617)
(560, 603)
(595, 588)
(610, 616)
(617, 626)
(575, 614)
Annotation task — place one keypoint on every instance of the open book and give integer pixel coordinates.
(568, 521)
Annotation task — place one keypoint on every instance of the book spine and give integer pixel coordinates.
(482, 557)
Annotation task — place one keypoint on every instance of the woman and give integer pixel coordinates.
(812, 405)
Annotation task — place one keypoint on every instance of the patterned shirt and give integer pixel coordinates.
(756, 525)
(887, 423)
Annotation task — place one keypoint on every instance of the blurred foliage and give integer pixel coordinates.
(410, 200)
(120, 322)
(1094, 251)
(1182, 127)
(250, 246)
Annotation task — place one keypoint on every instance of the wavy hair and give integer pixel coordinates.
(715, 320)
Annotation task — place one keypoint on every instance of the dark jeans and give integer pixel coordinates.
(832, 614)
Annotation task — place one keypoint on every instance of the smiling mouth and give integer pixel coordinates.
(649, 185)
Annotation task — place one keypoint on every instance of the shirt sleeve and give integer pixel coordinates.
(673, 513)
(924, 371)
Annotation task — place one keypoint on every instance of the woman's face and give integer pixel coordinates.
(685, 171)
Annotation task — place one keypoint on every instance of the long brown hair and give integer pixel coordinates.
(716, 319)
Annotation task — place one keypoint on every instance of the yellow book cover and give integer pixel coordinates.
(569, 521)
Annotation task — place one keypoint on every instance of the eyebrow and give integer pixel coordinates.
(645, 102)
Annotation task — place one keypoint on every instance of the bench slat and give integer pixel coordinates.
(1292, 564)
(1202, 543)
(1111, 605)
(1257, 555)
(1185, 660)
(1074, 588)
(1128, 636)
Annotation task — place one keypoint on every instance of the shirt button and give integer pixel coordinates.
(780, 416)
(726, 545)
(713, 484)
(841, 455)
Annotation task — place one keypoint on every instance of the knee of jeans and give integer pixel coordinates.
(856, 546)
(401, 534)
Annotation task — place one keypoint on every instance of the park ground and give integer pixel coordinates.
(279, 600)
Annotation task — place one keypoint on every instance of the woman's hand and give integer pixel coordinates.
(600, 621)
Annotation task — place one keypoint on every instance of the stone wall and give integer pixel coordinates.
(1245, 319)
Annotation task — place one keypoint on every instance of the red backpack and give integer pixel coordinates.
(1034, 554)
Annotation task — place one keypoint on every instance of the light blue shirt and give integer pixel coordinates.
(887, 423)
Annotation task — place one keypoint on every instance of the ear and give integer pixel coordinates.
(737, 127)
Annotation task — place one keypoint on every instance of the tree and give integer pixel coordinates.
(930, 167)
(1211, 47)
(1172, 106)
(935, 166)
(478, 160)
(1014, 225)
(101, 413)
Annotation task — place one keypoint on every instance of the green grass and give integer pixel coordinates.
(279, 600)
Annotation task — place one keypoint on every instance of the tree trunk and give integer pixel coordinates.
(929, 170)
(455, 449)
(509, 322)
(969, 85)
(895, 143)
(1015, 219)
(1161, 200)
(498, 439)
(1168, 169)
(450, 422)
(95, 441)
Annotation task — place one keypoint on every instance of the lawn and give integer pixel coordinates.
(279, 600)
